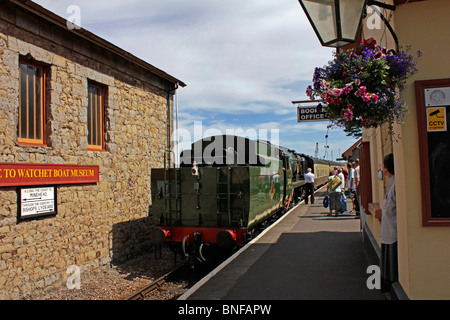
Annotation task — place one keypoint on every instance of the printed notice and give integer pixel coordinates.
(436, 119)
(37, 201)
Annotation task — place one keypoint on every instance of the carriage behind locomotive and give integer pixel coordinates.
(226, 186)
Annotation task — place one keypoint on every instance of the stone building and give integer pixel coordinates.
(89, 120)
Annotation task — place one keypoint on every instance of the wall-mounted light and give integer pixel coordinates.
(337, 22)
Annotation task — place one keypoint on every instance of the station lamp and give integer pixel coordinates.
(337, 22)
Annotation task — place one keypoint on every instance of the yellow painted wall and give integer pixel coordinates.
(424, 252)
(424, 26)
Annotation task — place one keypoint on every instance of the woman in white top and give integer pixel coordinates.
(351, 184)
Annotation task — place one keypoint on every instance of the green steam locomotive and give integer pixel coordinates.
(225, 188)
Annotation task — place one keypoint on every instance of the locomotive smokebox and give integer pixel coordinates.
(226, 239)
(158, 235)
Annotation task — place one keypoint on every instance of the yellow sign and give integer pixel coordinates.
(436, 119)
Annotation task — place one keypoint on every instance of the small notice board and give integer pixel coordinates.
(436, 119)
(36, 202)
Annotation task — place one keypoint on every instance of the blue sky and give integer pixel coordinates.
(243, 61)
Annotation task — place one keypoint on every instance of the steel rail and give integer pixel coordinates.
(143, 292)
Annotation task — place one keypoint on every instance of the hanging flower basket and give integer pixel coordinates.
(358, 89)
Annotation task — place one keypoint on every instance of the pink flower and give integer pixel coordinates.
(361, 91)
(365, 121)
(324, 84)
(358, 82)
(309, 91)
(336, 92)
(337, 101)
(348, 88)
(367, 97)
(327, 97)
(348, 115)
(374, 97)
(350, 107)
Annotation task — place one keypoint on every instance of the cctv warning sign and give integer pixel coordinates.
(436, 119)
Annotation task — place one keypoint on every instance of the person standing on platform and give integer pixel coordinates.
(309, 185)
(351, 185)
(345, 173)
(357, 191)
(388, 237)
(334, 192)
(342, 187)
(342, 177)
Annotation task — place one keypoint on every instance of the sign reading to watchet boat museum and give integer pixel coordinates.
(31, 174)
(37, 184)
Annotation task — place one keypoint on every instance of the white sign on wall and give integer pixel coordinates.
(308, 114)
(37, 201)
(437, 97)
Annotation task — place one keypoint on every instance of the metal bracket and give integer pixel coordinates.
(386, 22)
(381, 5)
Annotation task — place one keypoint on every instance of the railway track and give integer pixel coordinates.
(183, 272)
(144, 292)
(173, 284)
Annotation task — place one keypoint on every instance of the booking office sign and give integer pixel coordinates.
(308, 113)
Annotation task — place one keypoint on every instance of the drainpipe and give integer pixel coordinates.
(169, 93)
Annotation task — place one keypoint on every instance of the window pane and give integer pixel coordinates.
(89, 119)
(351, 15)
(38, 105)
(23, 101)
(323, 13)
(31, 107)
(99, 117)
(95, 116)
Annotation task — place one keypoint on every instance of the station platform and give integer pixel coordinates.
(305, 255)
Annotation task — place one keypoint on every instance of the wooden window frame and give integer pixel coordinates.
(365, 179)
(42, 140)
(102, 89)
(420, 86)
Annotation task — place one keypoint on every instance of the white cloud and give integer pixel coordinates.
(228, 52)
(245, 59)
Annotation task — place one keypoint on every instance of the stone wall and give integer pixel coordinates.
(95, 223)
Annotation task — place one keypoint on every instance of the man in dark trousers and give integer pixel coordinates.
(309, 185)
